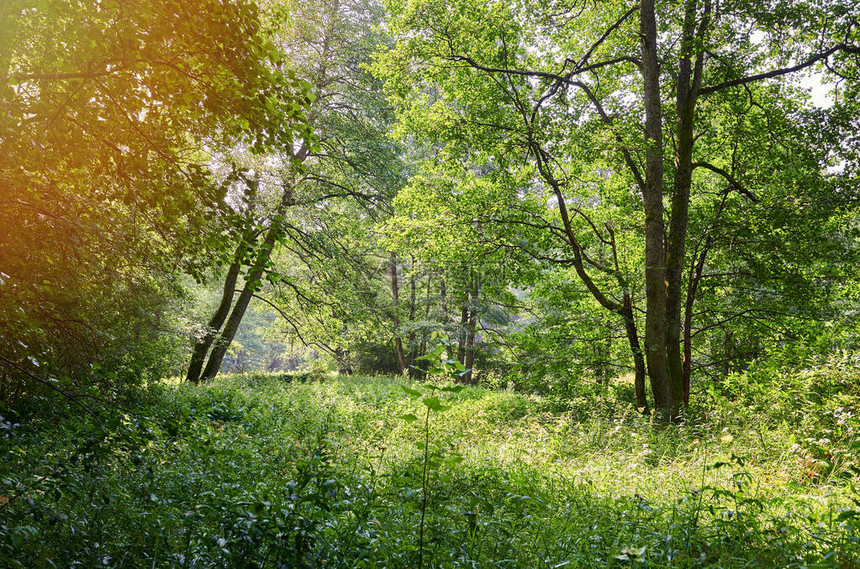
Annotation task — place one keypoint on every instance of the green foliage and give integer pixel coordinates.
(111, 112)
(813, 404)
(440, 360)
(532, 121)
(439, 363)
(267, 471)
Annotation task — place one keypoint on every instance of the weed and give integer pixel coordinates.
(256, 471)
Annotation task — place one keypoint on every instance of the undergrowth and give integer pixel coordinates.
(282, 471)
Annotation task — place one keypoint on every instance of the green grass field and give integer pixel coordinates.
(270, 471)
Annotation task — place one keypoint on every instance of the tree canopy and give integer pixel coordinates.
(111, 113)
(569, 191)
(628, 117)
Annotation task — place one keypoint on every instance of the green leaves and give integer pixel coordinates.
(109, 147)
(434, 404)
(411, 392)
(440, 363)
(631, 553)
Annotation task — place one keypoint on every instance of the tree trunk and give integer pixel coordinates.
(413, 307)
(692, 288)
(201, 347)
(252, 283)
(443, 298)
(461, 333)
(469, 359)
(687, 369)
(424, 337)
(395, 296)
(687, 87)
(655, 258)
(638, 358)
(471, 328)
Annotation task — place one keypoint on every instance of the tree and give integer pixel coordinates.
(636, 90)
(109, 113)
(440, 220)
(348, 159)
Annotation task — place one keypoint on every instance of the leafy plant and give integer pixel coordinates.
(439, 363)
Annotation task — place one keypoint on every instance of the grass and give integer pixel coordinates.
(264, 471)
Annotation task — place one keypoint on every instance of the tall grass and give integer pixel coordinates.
(267, 471)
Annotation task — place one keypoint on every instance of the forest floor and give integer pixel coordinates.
(286, 471)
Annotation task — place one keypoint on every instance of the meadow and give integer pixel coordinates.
(322, 471)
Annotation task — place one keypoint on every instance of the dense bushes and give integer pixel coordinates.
(288, 471)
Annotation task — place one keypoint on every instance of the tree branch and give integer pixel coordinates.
(782, 71)
(73, 397)
(729, 178)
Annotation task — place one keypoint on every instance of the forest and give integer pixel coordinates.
(429, 283)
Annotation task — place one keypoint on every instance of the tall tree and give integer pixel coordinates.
(108, 114)
(441, 219)
(625, 85)
(347, 159)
